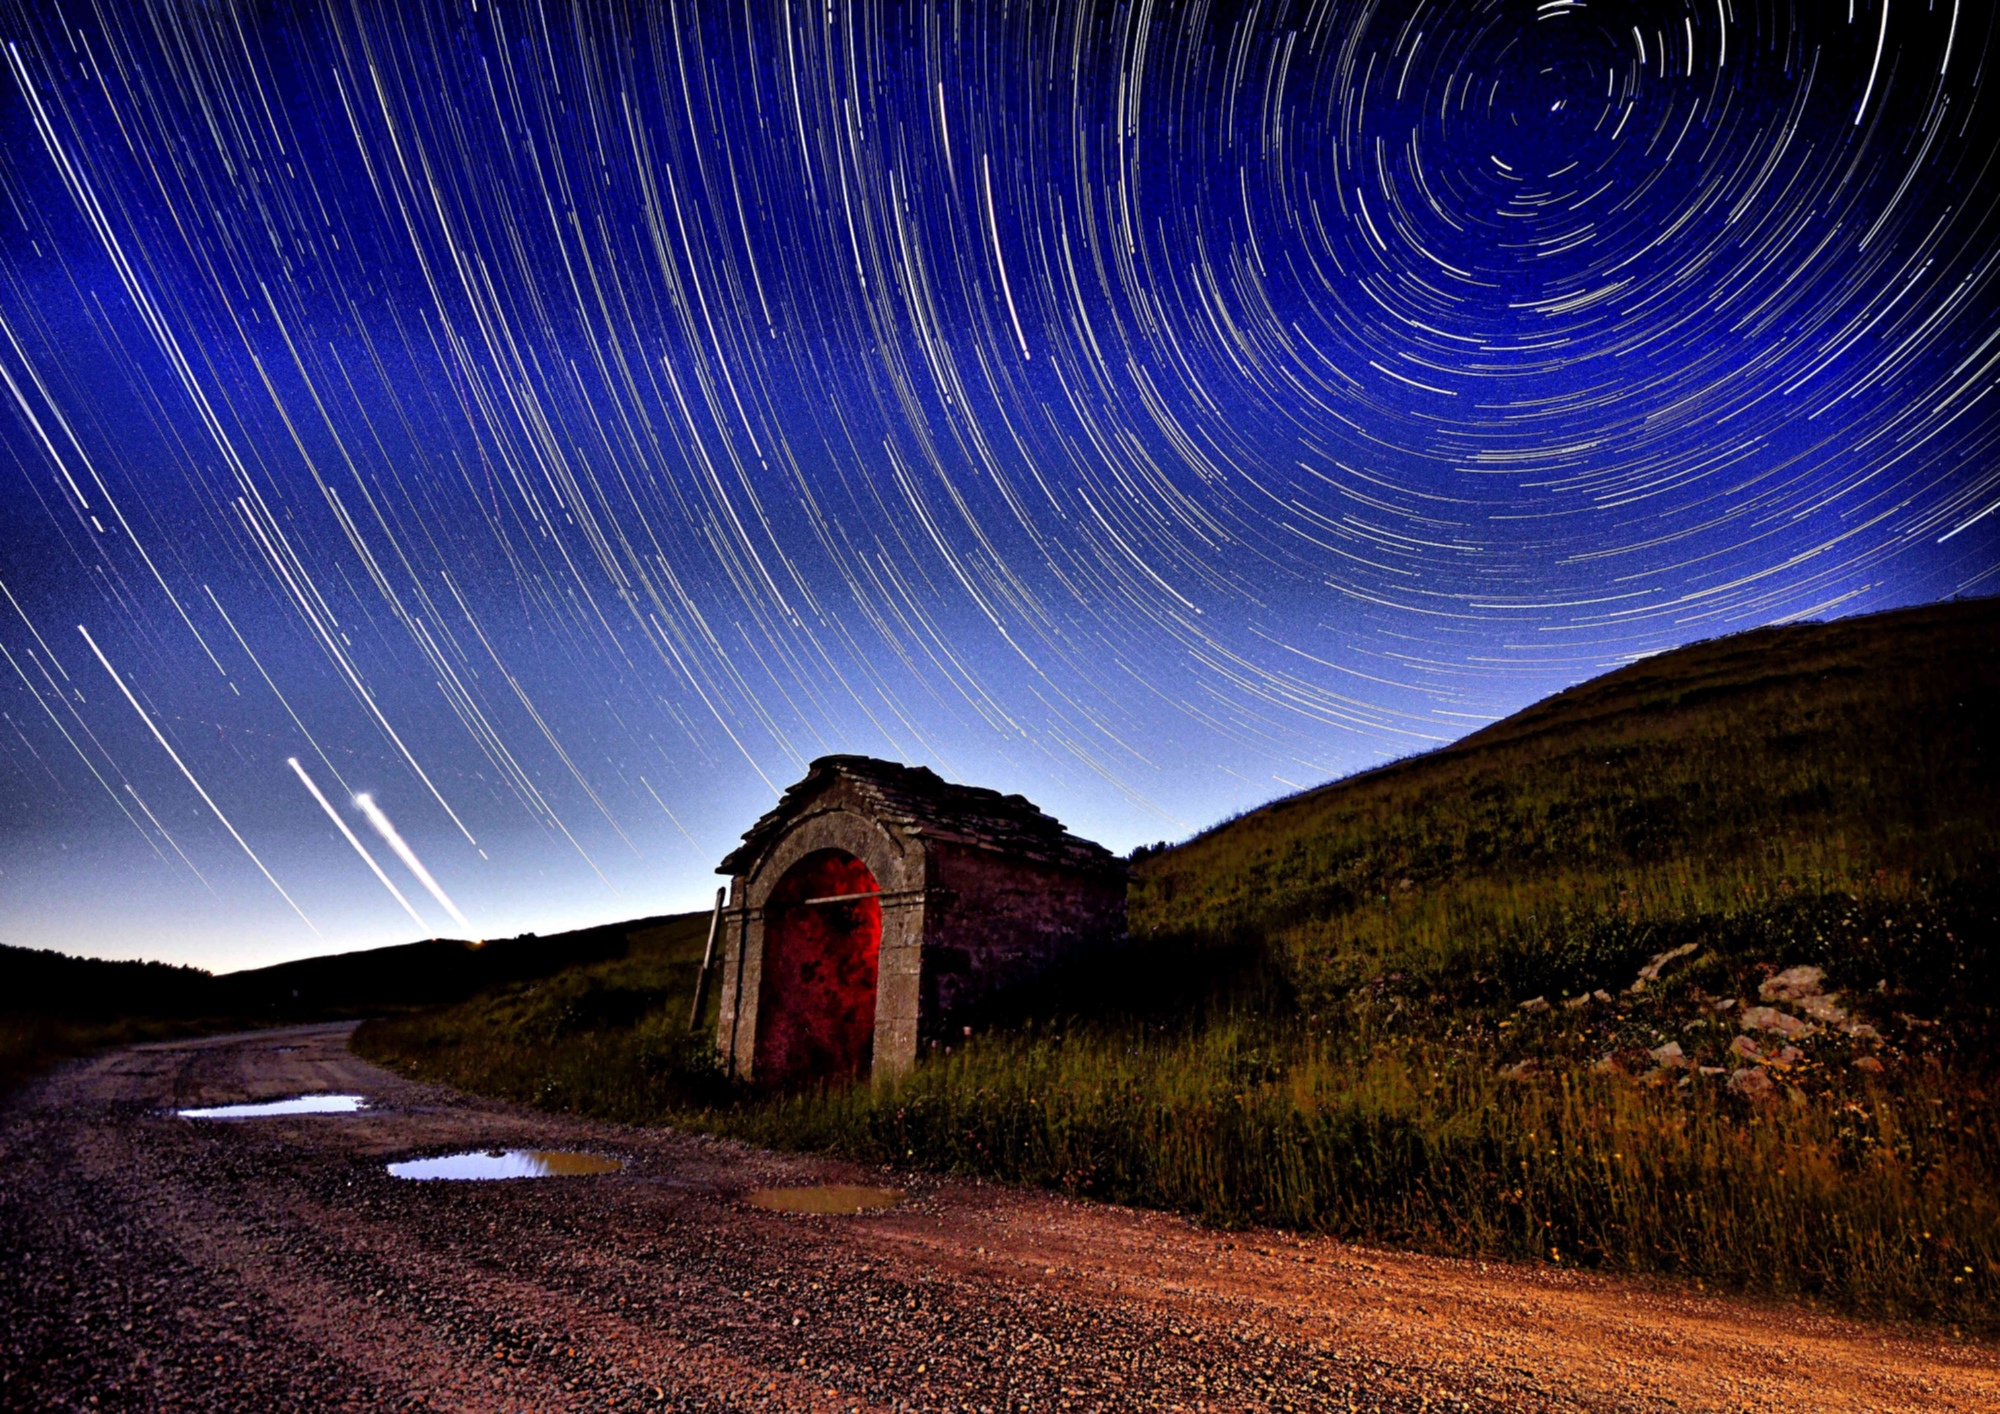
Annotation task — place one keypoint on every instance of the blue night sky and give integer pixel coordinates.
(558, 423)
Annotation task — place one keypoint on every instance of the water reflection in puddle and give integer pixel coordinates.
(506, 1163)
(833, 1198)
(297, 1105)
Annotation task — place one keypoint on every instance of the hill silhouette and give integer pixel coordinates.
(54, 1005)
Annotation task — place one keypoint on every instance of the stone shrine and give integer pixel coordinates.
(877, 901)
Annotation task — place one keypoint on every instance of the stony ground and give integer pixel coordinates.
(160, 1263)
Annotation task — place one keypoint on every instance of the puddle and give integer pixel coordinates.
(833, 1198)
(297, 1105)
(506, 1163)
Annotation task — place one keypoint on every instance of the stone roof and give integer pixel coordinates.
(915, 800)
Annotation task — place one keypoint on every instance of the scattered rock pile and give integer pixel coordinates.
(1769, 1018)
(1804, 988)
(1792, 1007)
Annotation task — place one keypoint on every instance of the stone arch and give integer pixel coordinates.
(898, 868)
(822, 952)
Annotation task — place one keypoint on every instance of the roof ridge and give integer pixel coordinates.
(928, 805)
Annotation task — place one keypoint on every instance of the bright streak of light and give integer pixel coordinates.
(1881, 41)
(359, 848)
(366, 804)
(140, 802)
(176, 757)
(671, 816)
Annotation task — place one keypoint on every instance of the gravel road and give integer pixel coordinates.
(154, 1262)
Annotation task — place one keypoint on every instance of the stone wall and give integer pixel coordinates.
(997, 922)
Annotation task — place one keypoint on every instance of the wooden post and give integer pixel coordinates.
(707, 961)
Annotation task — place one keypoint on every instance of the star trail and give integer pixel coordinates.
(526, 433)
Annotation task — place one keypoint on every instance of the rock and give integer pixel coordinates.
(1794, 984)
(1608, 1064)
(1535, 1006)
(1751, 1084)
(1861, 1031)
(1670, 1056)
(1519, 1070)
(1769, 1018)
(1713, 1070)
(1746, 1049)
(1659, 960)
(1824, 1008)
(1601, 995)
(1651, 971)
(1576, 1003)
(1868, 1064)
(1725, 1004)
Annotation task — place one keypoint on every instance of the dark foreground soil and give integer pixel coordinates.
(152, 1262)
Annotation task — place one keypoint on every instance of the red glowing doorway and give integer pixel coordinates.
(822, 944)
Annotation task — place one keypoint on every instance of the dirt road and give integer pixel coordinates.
(154, 1262)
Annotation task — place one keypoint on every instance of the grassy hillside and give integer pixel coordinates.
(1825, 794)
(1536, 995)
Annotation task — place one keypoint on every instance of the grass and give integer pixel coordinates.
(34, 1042)
(59, 1008)
(1860, 758)
(609, 1038)
(1320, 1022)
(1878, 1200)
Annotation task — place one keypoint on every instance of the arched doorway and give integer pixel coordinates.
(822, 944)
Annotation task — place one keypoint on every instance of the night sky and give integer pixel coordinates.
(536, 429)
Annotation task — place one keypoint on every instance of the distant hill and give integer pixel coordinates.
(1823, 793)
(90, 989)
(341, 984)
(420, 974)
(52, 1004)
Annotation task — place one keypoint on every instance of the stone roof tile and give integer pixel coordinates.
(918, 801)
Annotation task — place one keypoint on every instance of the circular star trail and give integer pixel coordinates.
(457, 460)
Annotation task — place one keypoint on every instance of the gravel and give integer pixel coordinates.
(159, 1263)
